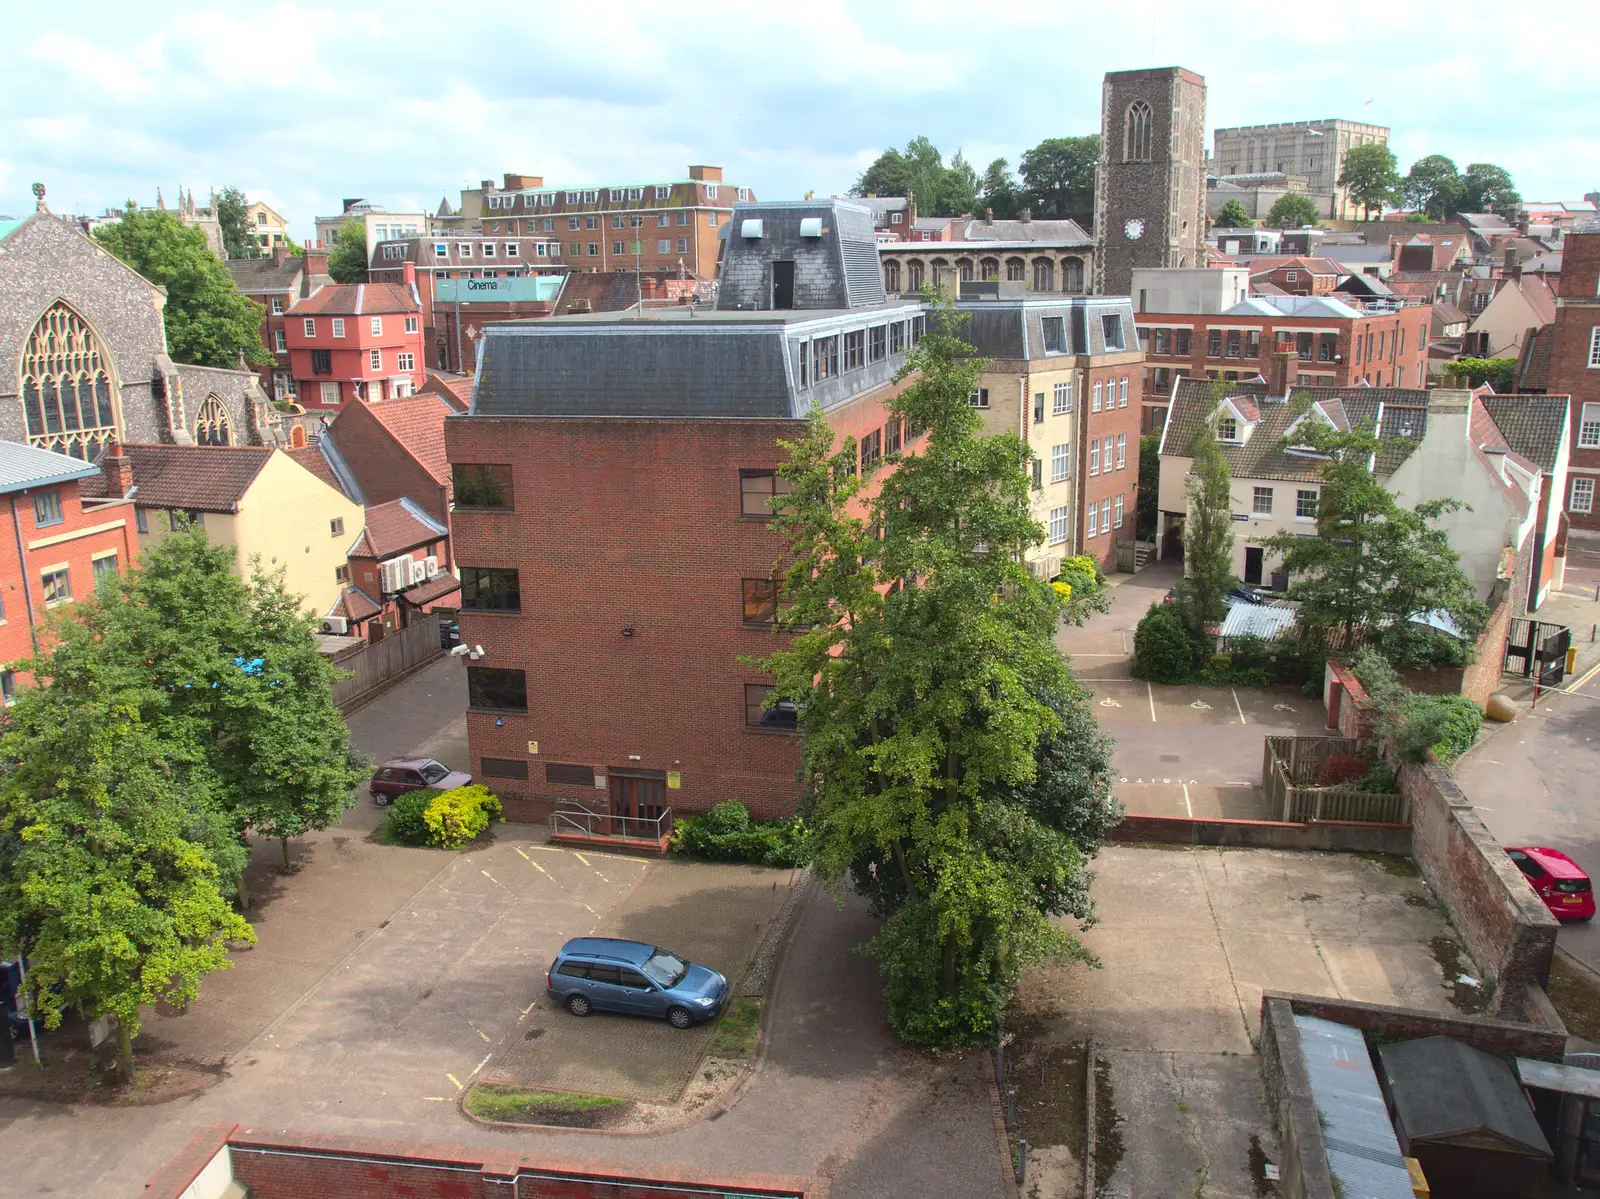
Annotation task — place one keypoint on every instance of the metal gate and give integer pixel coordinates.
(1538, 650)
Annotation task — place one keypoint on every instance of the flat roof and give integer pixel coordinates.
(691, 314)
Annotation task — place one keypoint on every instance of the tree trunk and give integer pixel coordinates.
(243, 883)
(287, 865)
(124, 1052)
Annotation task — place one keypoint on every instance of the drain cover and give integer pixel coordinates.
(533, 1034)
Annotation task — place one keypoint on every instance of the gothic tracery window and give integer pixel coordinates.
(914, 276)
(69, 398)
(1044, 275)
(213, 427)
(1072, 274)
(1136, 146)
(989, 268)
(891, 276)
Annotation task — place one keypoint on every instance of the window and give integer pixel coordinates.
(1099, 392)
(1589, 426)
(897, 337)
(57, 586)
(1122, 393)
(490, 589)
(1094, 456)
(1305, 505)
(505, 768)
(1092, 521)
(341, 574)
(1327, 347)
(572, 224)
(441, 249)
(1072, 274)
(322, 362)
(783, 716)
(1105, 516)
(482, 485)
(1291, 276)
(664, 245)
(1252, 346)
(404, 362)
(979, 398)
(878, 342)
(1261, 501)
(1162, 342)
(591, 222)
(855, 350)
(277, 305)
(760, 601)
(683, 245)
(377, 326)
(1303, 346)
(636, 222)
(619, 248)
(891, 276)
(330, 395)
(562, 772)
(1138, 133)
(1594, 348)
(1185, 341)
(1060, 463)
(824, 358)
(280, 341)
(1038, 407)
(1058, 524)
(1122, 450)
(488, 249)
(464, 250)
(1235, 343)
(1582, 494)
(102, 568)
(1111, 327)
(1062, 399)
(1044, 275)
(141, 520)
(549, 224)
(594, 249)
(1227, 429)
(310, 327)
(757, 489)
(1055, 334)
(336, 526)
(497, 690)
(375, 359)
(871, 449)
(47, 509)
(8, 687)
(616, 222)
(711, 219)
(1214, 344)
(1116, 512)
(513, 250)
(891, 437)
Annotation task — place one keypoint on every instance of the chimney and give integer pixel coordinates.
(705, 174)
(1025, 215)
(408, 274)
(487, 186)
(988, 216)
(280, 253)
(118, 470)
(316, 262)
(1281, 369)
(1449, 412)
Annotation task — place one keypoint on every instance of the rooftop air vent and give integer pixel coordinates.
(810, 226)
(750, 228)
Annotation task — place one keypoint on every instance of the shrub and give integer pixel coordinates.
(727, 834)
(1063, 591)
(406, 820)
(1221, 662)
(1163, 650)
(1446, 724)
(1460, 720)
(459, 816)
(1343, 768)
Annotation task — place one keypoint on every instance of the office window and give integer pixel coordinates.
(1122, 393)
(683, 245)
(1116, 512)
(1261, 501)
(664, 245)
(1582, 494)
(878, 343)
(855, 350)
(871, 449)
(1122, 450)
(1594, 348)
(1305, 505)
(1060, 463)
(1099, 391)
(594, 249)
(47, 509)
(495, 689)
(1058, 524)
(490, 589)
(338, 326)
(1214, 344)
(482, 485)
(1038, 407)
(757, 489)
(1062, 399)
(404, 362)
(1111, 327)
(330, 395)
(1105, 516)
(1094, 456)
(102, 568)
(1185, 342)
(619, 248)
(311, 327)
(1055, 334)
(979, 398)
(1589, 426)
(1091, 526)
(760, 598)
(783, 716)
(57, 586)
(824, 358)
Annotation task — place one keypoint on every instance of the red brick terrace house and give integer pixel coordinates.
(612, 522)
(399, 566)
(62, 546)
(360, 341)
(1574, 370)
(1298, 276)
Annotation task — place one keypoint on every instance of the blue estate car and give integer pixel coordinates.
(605, 974)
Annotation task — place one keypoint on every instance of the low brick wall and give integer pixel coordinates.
(1503, 1037)
(1266, 834)
(1510, 934)
(1342, 690)
(1482, 679)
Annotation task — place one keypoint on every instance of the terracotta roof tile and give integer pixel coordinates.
(355, 604)
(441, 585)
(394, 528)
(357, 299)
(454, 388)
(205, 478)
(417, 422)
(312, 458)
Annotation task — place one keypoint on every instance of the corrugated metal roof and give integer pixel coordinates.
(1267, 621)
(1363, 1152)
(23, 466)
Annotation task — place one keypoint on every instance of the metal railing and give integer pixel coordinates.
(575, 819)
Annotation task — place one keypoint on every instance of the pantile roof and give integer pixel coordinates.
(355, 604)
(357, 299)
(441, 585)
(456, 389)
(266, 274)
(202, 478)
(24, 466)
(417, 423)
(395, 527)
(314, 460)
(1446, 313)
(1532, 425)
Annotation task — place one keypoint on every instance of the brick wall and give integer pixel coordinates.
(1351, 721)
(1482, 679)
(1577, 316)
(384, 468)
(1322, 835)
(1109, 422)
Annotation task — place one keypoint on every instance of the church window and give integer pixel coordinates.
(1014, 270)
(891, 275)
(914, 276)
(1044, 275)
(69, 399)
(1136, 145)
(212, 426)
(1072, 274)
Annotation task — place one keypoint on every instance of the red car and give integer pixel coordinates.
(1557, 880)
(412, 774)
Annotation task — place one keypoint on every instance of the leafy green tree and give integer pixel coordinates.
(238, 238)
(1371, 177)
(1208, 530)
(1058, 176)
(1499, 373)
(923, 703)
(347, 261)
(1374, 564)
(1149, 486)
(1433, 187)
(1488, 188)
(998, 192)
(958, 189)
(208, 321)
(1292, 210)
(918, 171)
(889, 175)
(1233, 216)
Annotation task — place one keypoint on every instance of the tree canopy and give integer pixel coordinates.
(1057, 180)
(1292, 210)
(347, 261)
(1208, 527)
(238, 238)
(1435, 188)
(1488, 188)
(1058, 177)
(209, 322)
(1370, 176)
(1232, 215)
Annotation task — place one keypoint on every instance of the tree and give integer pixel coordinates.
(347, 261)
(1370, 176)
(1208, 531)
(889, 175)
(1233, 216)
(1488, 188)
(238, 238)
(1149, 486)
(1499, 373)
(1058, 176)
(1373, 564)
(1433, 187)
(923, 707)
(998, 193)
(958, 189)
(208, 321)
(1292, 210)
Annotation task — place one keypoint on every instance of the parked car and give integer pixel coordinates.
(605, 974)
(1556, 879)
(1243, 593)
(449, 634)
(412, 774)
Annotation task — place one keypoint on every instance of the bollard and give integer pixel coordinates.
(1022, 1160)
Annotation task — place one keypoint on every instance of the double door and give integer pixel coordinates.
(639, 795)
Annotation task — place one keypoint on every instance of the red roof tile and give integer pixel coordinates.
(357, 299)
(205, 478)
(417, 423)
(312, 458)
(355, 604)
(455, 388)
(394, 528)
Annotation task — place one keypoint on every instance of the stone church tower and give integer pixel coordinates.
(1150, 189)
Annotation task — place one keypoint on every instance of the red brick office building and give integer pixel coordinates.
(613, 527)
(356, 341)
(1574, 341)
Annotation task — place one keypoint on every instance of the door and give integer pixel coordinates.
(1252, 564)
(639, 796)
(603, 988)
(638, 994)
(783, 284)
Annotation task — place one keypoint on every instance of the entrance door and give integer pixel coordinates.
(641, 796)
(1252, 564)
(783, 284)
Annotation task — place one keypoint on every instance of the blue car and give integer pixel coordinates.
(605, 974)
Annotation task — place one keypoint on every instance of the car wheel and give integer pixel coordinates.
(579, 1005)
(679, 1017)
(380, 799)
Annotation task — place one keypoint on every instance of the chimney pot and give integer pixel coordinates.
(118, 470)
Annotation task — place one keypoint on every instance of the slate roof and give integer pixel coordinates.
(1445, 1092)
(254, 275)
(602, 291)
(417, 422)
(1533, 365)
(1056, 232)
(1533, 425)
(1264, 455)
(357, 299)
(203, 478)
(395, 527)
(24, 466)
(1446, 313)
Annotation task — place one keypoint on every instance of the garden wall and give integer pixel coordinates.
(1324, 835)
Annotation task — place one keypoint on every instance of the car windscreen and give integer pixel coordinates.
(665, 969)
(434, 771)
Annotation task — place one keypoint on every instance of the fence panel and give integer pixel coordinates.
(373, 665)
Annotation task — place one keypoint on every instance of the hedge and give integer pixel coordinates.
(446, 819)
(727, 834)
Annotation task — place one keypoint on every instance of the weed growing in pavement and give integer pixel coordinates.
(737, 1030)
(493, 1101)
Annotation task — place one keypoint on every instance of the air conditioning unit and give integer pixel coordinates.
(395, 574)
(432, 563)
(336, 625)
(418, 569)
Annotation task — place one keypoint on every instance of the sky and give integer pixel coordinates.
(302, 104)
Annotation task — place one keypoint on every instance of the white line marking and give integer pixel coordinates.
(481, 1064)
(454, 1079)
(1239, 706)
(1151, 692)
(1186, 806)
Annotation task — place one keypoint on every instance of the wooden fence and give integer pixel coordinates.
(1291, 768)
(371, 666)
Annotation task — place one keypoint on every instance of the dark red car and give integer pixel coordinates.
(412, 774)
(1557, 880)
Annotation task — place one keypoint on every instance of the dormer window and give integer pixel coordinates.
(1227, 429)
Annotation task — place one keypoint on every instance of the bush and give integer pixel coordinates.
(1459, 719)
(460, 816)
(1288, 660)
(407, 822)
(1063, 591)
(1445, 724)
(1163, 649)
(727, 834)
(1233, 677)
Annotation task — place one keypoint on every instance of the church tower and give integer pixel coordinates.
(1150, 188)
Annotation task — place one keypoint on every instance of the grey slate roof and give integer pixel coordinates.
(24, 466)
(1447, 1092)
(1012, 329)
(1533, 425)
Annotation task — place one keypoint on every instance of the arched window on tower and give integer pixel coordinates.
(70, 400)
(1136, 145)
(212, 426)
(891, 276)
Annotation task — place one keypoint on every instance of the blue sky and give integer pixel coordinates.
(302, 104)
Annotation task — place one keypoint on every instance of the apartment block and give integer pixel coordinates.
(1574, 353)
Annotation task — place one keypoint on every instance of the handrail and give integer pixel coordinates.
(582, 821)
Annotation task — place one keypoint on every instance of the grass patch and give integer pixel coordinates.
(737, 1029)
(494, 1101)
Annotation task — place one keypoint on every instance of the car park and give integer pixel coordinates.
(606, 974)
(1556, 879)
(396, 777)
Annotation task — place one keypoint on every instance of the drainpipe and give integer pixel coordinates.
(27, 593)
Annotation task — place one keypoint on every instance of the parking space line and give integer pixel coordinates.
(481, 1064)
(1187, 807)
(479, 1031)
(1239, 706)
(455, 1080)
(1151, 692)
(581, 858)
